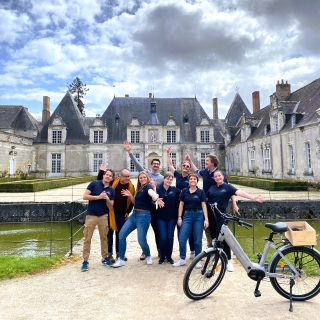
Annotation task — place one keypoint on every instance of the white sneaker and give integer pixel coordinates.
(180, 262)
(230, 266)
(149, 260)
(118, 263)
(199, 265)
(192, 255)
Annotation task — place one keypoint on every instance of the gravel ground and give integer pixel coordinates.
(135, 291)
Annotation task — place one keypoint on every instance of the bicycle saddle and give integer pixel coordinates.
(278, 227)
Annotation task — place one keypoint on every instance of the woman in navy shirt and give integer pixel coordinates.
(195, 218)
(221, 194)
(140, 217)
(166, 217)
(181, 183)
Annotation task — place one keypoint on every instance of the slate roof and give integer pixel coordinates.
(18, 119)
(77, 132)
(128, 107)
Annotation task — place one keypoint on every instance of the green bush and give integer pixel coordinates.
(42, 184)
(270, 184)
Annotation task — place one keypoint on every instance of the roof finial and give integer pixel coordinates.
(195, 91)
(152, 88)
(114, 91)
(237, 89)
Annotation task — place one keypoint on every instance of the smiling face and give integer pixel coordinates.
(167, 181)
(155, 165)
(185, 167)
(143, 178)
(193, 180)
(125, 176)
(107, 176)
(218, 178)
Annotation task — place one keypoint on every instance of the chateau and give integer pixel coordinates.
(279, 140)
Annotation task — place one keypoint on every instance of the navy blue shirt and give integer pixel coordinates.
(142, 199)
(99, 207)
(170, 198)
(221, 195)
(181, 182)
(192, 201)
(207, 178)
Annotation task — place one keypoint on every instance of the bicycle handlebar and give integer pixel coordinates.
(230, 217)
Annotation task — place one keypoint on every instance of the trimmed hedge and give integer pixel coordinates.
(43, 184)
(270, 184)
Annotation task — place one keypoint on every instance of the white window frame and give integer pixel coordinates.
(97, 160)
(132, 166)
(252, 158)
(56, 136)
(55, 163)
(171, 136)
(308, 157)
(135, 136)
(203, 156)
(266, 159)
(291, 159)
(97, 136)
(204, 136)
(293, 120)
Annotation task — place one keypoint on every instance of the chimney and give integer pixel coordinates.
(45, 109)
(283, 90)
(126, 95)
(215, 108)
(255, 101)
(150, 95)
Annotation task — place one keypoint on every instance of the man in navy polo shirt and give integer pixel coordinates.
(101, 197)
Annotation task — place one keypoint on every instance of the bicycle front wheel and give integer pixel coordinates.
(307, 262)
(201, 278)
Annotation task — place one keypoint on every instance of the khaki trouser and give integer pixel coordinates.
(89, 226)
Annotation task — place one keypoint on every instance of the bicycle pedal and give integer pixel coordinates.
(257, 293)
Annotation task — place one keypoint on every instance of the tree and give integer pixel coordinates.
(79, 90)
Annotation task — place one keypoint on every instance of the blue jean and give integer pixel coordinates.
(166, 235)
(192, 221)
(141, 222)
(120, 222)
(191, 240)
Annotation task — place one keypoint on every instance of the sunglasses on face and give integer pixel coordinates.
(186, 166)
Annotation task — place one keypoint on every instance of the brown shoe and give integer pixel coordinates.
(143, 256)
(111, 258)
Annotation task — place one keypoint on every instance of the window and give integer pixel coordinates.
(204, 136)
(132, 166)
(291, 159)
(55, 162)
(276, 124)
(203, 160)
(171, 136)
(266, 160)
(97, 136)
(135, 136)
(97, 160)
(293, 120)
(308, 153)
(56, 136)
(252, 159)
(173, 157)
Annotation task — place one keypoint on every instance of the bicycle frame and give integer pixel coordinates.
(247, 264)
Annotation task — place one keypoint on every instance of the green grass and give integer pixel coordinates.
(13, 266)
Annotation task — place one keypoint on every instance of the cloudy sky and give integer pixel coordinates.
(210, 48)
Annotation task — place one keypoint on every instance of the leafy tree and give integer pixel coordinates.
(79, 90)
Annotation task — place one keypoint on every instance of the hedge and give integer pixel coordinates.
(270, 184)
(42, 184)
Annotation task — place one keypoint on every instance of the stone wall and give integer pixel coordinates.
(279, 209)
(41, 212)
(275, 210)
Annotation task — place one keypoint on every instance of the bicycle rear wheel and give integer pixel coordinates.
(307, 262)
(201, 278)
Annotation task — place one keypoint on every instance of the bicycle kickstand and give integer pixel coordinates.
(292, 283)
(257, 292)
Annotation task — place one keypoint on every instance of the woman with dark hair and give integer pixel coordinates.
(139, 219)
(221, 194)
(166, 217)
(195, 218)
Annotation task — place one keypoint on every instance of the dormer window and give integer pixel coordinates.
(293, 121)
(97, 136)
(186, 119)
(56, 136)
(117, 118)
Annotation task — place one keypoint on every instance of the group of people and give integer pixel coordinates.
(116, 206)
